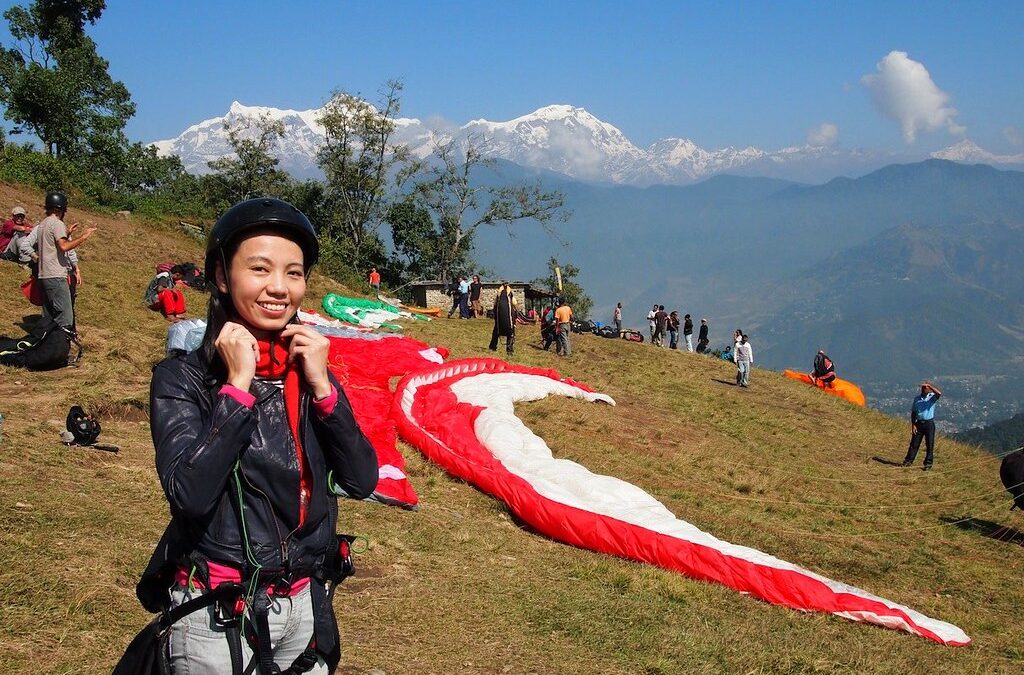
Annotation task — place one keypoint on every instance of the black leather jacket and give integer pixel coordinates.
(199, 434)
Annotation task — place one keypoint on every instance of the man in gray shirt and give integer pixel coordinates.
(53, 244)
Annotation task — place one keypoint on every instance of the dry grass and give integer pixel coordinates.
(458, 586)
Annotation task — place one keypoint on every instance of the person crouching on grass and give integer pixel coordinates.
(248, 430)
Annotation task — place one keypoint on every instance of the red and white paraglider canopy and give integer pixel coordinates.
(461, 415)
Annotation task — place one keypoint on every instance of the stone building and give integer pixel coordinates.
(434, 294)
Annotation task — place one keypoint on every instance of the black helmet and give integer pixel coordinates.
(56, 201)
(255, 213)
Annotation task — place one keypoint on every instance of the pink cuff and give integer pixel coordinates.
(243, 397)
(325, 406)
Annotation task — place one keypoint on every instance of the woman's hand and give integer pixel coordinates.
(308, 350)
(239, 352)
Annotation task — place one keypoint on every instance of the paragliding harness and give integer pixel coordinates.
(1011, 473)
(631, 335)
(46, 347)
(824, 370)
(147, 653)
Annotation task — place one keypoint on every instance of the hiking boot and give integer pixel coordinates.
(927, 467)
(907, 464)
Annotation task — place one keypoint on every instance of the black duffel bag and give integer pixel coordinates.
(46, 347)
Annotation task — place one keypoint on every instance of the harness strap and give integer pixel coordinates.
(261, 623)
(222, 593)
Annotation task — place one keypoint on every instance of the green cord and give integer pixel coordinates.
(254, 578)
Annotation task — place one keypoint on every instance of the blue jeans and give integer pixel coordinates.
(743, 372)
(198, 645)
(673, 339)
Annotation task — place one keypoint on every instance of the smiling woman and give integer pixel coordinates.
(247, 430)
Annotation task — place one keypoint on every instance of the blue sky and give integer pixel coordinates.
(751, 73)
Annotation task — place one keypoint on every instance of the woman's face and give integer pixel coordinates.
(268, 282)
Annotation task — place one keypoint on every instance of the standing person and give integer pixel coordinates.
(547, 328)
(922, 424)
(673, 330)
(688, 332)
(702, 337)
(453, 290)
(463, 298)
(737, 337)
(660, 322)
(563, 328)
(252, 434)
(652, 323)
(475, 289)
(617, 318)
(375, 281)
(824, 370)
(53, 244)
(504, 319)
(743, 354)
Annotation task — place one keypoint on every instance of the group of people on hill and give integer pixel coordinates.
(466, 297)
(556, 327)
(666, 329)
(47, 249)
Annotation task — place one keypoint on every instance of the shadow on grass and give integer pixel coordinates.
(28, 322)
(887, 462)
(728, 382)
(988, 529)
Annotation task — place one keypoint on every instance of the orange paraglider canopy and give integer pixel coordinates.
(840, 388)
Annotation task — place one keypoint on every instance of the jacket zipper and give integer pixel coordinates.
(270, 507)
(302, 440)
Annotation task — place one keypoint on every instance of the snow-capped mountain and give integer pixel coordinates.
(969, 152)
(561, 138)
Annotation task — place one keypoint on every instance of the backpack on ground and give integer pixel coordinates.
(152, 297)
(1011, 472)
(191, 275)
(46, 347)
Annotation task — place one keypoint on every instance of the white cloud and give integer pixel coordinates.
(904, 91)
(1013, 136)
(824, 134)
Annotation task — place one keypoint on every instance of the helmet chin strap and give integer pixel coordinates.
(224, 271)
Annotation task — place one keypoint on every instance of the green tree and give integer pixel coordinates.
(251, 171)
(459, 205)
(54, 84)
(363, 168)
(572, 291)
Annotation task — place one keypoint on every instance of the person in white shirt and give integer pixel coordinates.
(617, 318)
(652, 322)
(743, 355)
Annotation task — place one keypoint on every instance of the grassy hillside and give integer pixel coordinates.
(458, 586)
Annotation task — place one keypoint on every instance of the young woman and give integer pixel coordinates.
(253, 438)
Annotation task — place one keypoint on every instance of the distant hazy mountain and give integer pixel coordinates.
(914, 302)
(705, 245)
(561, 138)
(999, 438)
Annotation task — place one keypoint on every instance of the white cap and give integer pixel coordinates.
(18, 211)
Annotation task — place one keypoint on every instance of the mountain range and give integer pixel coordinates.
(564, 139)
(906, 272)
